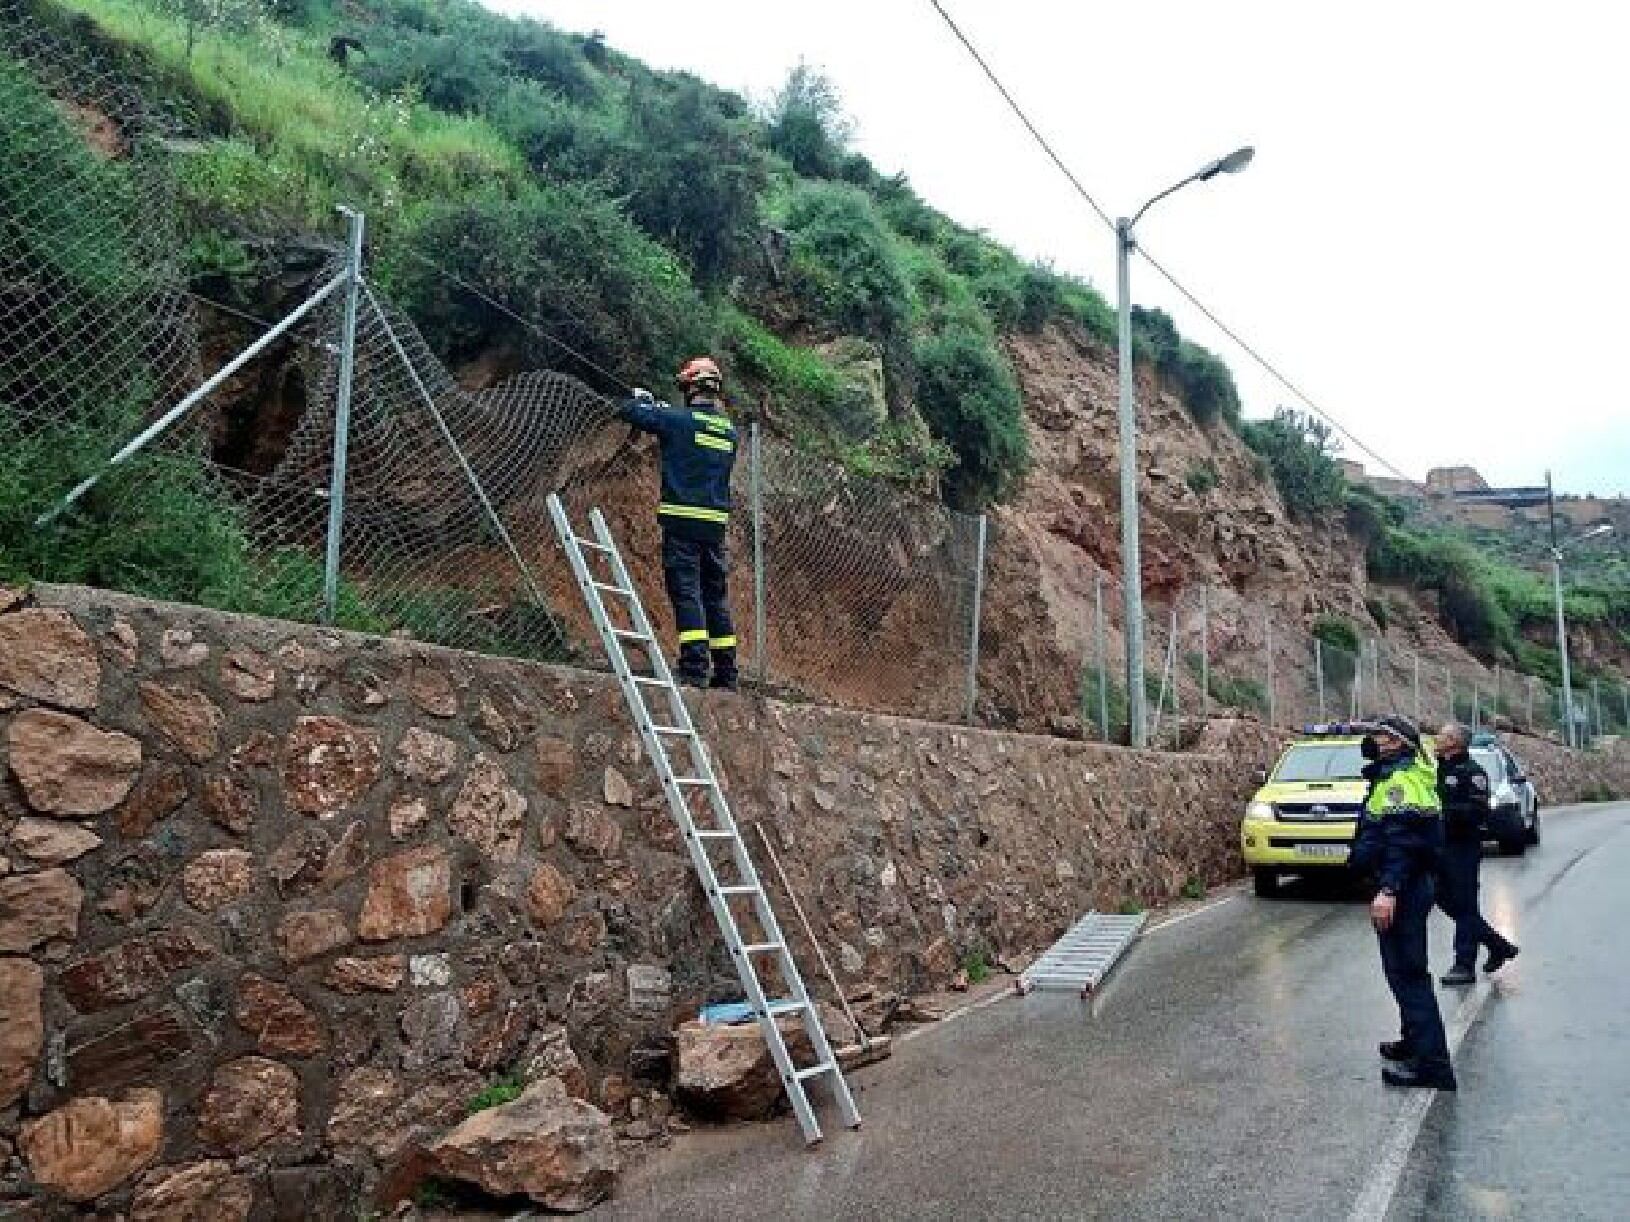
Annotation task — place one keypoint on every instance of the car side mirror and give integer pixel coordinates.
(1261, 775)
(1518, 778)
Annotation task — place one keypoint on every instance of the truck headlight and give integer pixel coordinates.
(1259, 810)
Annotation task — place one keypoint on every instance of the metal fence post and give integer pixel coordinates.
(1596, 699)
(1499, 694)
(1102, 650)
(1528, 716)
(755, 491)
(1318, 672)
(342, 415)
(1477, 708)
(1272, 716)
(973, 635)
(1417, 668)
(1624, 696)
(1205, 653)
(1449, 684)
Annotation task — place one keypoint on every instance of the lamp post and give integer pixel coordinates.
(1570, 733)
(1131, 564)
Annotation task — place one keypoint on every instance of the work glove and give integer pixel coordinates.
(643, 395)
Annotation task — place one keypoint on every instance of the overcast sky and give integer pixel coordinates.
(1433, 241)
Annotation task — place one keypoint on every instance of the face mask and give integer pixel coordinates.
(1369, 750)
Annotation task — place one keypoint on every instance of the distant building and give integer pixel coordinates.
(1449, 481)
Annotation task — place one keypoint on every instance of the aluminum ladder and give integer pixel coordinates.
(711, 836)
(1079, 961)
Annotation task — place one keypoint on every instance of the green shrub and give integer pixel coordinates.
(967, 394)
(565, 256)
(494, 1094)
(1337, 632)
(1201, 477)
(844, 265)
(1202, 381)
(1297, 450)
(798, 379)
(1239, 693)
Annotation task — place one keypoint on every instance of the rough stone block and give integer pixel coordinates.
(186, 718)
(489, 812)
(426, 758)
(46, 656)
(281, 1024)
(251, 1104)
(132, 969)
(130, 1053)
(35, 908)
(22, 1029)
(311, 933)
(409, 895)
(51, 842)
(208, 1191)
(328, 765)
(218, 877)
(91, 1145)
(67, 766)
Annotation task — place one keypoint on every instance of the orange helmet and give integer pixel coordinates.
(700, 372)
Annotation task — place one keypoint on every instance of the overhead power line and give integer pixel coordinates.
(1250, 350)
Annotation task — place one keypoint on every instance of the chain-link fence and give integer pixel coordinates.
(426, 513)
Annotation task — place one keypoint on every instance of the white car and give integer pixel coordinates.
(1513, 801)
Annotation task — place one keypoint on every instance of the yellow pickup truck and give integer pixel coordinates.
(1303, 818)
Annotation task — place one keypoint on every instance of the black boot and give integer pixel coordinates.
(724, 670)
(1499, 958)
(1461, 973)
(1393, 1050)
(1412, 1073)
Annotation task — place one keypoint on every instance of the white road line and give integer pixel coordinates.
(1382, 1186)
(1193, 912)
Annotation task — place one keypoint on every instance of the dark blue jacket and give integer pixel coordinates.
(698, 452)
(1396, 845)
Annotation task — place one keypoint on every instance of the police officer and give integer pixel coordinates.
(1398, 840)
(1463, 789)
(698, 452)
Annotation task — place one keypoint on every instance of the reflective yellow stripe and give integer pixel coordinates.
(715, 443)
(722, 642)
(694, 511)
(712, 421)
(692, 635)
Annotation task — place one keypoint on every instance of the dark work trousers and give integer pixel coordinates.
(696, 570)
(1457, 896)
(1403, 958)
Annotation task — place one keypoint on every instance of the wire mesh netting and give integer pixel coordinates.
(846, 589)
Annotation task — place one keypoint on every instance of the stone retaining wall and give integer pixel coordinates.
(277, 903)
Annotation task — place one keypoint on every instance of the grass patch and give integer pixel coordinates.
(1194, 888)
(495, 1094)
(976, 965)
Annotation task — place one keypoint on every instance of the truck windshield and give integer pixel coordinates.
(1320, 762)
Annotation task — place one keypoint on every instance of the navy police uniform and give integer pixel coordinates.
(1463, 788)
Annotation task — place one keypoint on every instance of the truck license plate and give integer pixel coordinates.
(1324, 852)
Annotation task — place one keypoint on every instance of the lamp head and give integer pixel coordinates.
(1231, 164)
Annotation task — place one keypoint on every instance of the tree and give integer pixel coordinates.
(807, 124)
(1298, 450)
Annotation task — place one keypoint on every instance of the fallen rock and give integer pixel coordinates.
(489, 812)
(22, 1029)
(409, 895)
(34, 908)
(727, 1073)
(425, 757)
(186, 717)
(91, 1145)
(280, 1022)
(218, 877)
(46, 656)
(545, 1145)
(198, 1192)
(615, 788)
(50, 842)
(67, 766)
(251, 1103)
(328, 764)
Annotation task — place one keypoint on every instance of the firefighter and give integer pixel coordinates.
(1463, 789)
(698, 444)
(1399, 837)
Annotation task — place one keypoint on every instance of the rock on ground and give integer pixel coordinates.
(726, 1072)
(545, 1145)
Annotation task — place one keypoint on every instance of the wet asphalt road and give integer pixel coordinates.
(1228, 1068)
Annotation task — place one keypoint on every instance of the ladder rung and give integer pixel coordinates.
(711, 833)
(608, 589)
(650, 681)
(624, 634)
(740, 889)
(762, 948)
(672, 731)
(692, 782)
(787, 1007)
(814, 1071)
(592, 545)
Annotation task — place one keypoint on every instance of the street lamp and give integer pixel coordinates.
(1569, 726)
(1131, 564)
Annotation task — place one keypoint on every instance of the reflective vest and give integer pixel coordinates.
(1411, 789)
(698, 452)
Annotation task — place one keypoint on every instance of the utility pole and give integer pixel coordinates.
(1568, 734)
(1131, 564)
